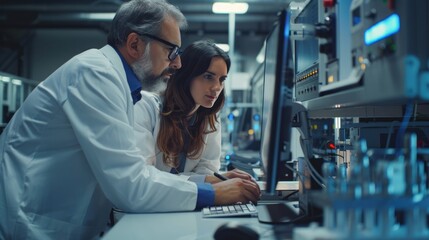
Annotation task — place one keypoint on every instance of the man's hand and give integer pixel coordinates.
(236, 190)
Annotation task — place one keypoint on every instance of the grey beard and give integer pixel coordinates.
(143, 70)
(155, 84)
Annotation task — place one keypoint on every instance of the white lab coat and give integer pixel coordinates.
(69, 155)
(146, 125)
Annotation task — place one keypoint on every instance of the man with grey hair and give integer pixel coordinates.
(69, 154)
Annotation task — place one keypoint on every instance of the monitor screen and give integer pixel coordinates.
(277, 102)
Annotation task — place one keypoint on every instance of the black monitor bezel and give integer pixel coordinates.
(280, 128)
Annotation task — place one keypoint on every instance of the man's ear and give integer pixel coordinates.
(133, 46)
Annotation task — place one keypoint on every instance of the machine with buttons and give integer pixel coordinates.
(373, 71)
(370, 53)
(306, 55)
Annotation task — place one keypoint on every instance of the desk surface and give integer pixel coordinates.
(192, 225)
(186, 225)
(281, 185)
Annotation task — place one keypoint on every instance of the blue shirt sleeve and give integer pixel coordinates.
(206, 195)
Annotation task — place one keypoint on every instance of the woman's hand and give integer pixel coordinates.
(230, 174)
(236, 173)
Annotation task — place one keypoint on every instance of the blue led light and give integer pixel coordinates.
(356, 20)
(256, 127)
(230, 116)
(256, 117)
(383, 29)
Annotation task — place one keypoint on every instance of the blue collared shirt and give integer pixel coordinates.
(133, 82)
(206, 193)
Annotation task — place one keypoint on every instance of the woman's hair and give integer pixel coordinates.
(142, 16)
(179, 103)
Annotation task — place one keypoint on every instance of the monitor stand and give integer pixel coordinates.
(280, 212)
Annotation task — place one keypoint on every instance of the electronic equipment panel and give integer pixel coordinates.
(306, 54)
(377, 53)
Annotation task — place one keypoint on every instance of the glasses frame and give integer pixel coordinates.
(175, 50)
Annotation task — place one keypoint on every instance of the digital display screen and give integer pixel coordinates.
(382, 29)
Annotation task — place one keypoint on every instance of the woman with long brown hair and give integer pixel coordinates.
(180, 131)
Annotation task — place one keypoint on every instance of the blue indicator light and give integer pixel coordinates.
(256, 117)
(356, 20)
(383, 29)
(227, 157)
(230, 116)
(257, 128)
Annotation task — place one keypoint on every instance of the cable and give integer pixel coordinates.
(290, 194)
(300, 175)
(310, 166)
(332, 155)
(389, 135)
(308, 153)
(402, 129)
(316, 176)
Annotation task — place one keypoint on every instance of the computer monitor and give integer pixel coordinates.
(277, 102)
(277, 114)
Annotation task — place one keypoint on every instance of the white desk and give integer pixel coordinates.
(191, 225)
(185, 225)
(281, 185)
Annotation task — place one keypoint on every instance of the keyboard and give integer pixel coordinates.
(234, 210)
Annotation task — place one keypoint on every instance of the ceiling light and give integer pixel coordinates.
(223, 46)
(16, 82)
(225, 7)
(5, 79)
(98, 16)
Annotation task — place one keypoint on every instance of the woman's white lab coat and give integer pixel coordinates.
(146, 125)
(69, 155)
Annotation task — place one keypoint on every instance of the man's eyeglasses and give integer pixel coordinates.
(174, 50)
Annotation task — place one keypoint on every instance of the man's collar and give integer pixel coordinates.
(133, 82)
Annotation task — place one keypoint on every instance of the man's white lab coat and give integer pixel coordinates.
(146, 125)
(69, 154)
